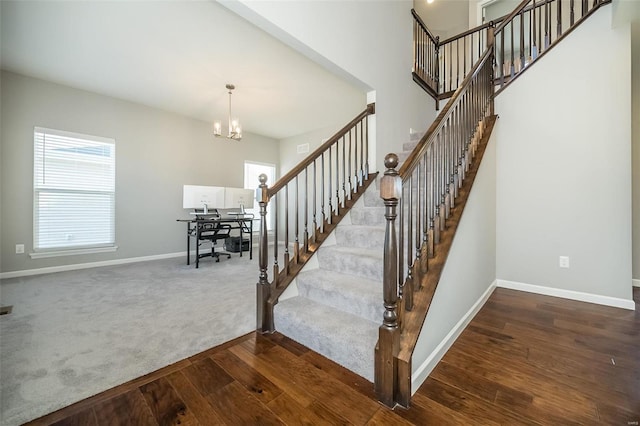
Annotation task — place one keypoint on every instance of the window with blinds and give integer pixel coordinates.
(73, 190)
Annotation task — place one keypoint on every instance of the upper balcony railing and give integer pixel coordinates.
(425, 55)
(534, 27)
(458, 55)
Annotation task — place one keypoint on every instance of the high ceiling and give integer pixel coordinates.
(176, 56)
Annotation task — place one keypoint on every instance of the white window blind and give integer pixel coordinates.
(73, 190)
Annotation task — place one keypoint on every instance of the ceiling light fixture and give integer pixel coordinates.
(235, 132)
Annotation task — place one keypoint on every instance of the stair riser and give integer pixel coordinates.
(367, 237)
(373, 216)
(368, 307)
(321, 343)
(409, 146)
(402, 156)
(351, 263)
(415, 137)
(343, 341)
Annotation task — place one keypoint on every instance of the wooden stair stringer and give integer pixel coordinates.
(414, 320)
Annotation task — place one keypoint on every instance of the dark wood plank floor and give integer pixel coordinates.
(524, 359)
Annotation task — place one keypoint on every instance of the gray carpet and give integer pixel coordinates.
(74, 334)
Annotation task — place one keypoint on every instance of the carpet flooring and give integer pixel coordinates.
(74, 334)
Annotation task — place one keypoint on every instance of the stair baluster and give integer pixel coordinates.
(572, 15)
(559, 19)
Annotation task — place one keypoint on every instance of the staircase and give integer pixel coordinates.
(338, 309)
(366, 271)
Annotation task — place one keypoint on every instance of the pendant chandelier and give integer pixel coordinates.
(234, 131)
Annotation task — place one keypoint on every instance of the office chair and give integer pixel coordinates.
(214, 231)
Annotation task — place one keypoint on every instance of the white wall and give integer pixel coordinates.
(475, 12)
(625, 11)
(289, 156)
(157, 152)
(366, 42)
(469, 272)
(564, 168)
(501, 8)
(444, 18)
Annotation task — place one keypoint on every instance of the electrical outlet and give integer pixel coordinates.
(19, 248)
(564, 261)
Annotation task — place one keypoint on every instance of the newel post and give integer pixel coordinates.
(386, 371)
(264, 318)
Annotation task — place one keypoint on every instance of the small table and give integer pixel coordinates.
(243, 222)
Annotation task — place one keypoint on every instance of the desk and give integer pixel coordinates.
(194, 226)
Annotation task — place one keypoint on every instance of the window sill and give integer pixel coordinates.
(58, 253)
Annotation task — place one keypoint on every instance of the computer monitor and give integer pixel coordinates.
(203, 197)
(238, 198)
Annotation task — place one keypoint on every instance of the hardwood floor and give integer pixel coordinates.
(524, 359)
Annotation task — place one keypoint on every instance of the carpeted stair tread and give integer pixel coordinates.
(344, 338)
(349, 293)
(367, 216)
(402, 156)
(362, 236)
(414, 138)
(409, 146)
(365, 263)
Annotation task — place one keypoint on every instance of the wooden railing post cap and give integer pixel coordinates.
(262, 191)
(390, 162)
(391, 183)
(371, 108)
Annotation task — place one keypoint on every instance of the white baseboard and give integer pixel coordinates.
(569, 294)
(62, 268)
(635, 283)
(434, 358)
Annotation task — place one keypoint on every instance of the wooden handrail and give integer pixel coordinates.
(411, 162)
(547, 27)
(455, 55)
(513, 14)
(491, 23)
(289, 176)
(466, 33)
(449, 61)
(424, 27)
